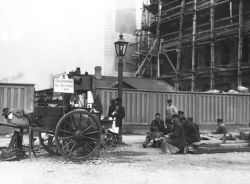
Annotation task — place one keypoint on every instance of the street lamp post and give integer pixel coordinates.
(120, 48)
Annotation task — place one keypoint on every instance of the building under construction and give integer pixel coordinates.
(195, 45)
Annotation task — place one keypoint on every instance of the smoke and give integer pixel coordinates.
(12, 78)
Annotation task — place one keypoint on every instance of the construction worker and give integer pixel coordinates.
(170, 110)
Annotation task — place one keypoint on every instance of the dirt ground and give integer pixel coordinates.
(129, 164)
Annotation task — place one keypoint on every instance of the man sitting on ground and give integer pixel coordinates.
(156, 130)
(244, 135)
(175, 141)
(190, 119)
(191, 133)
(221, 127)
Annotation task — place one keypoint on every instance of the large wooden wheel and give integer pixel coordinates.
(78, 135)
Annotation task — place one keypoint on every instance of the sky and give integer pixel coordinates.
(39, 38)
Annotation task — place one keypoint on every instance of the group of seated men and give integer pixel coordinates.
(178, 133)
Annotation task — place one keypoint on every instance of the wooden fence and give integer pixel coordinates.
(16, 96)
(205, 108)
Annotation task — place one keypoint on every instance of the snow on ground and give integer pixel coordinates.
(129, 164)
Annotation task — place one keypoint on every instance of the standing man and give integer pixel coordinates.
(119, 114)
(170, 111)
(111, 107)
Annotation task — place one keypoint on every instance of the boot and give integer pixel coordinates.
(146, 142)
(154, 144)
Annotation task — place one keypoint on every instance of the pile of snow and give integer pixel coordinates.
(242, 89)
(213, 91)
(232, 91)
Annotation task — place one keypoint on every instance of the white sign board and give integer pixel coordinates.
(63, 85)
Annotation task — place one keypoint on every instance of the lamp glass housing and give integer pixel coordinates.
(121, 46)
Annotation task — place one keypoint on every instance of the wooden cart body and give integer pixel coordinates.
(74, 133)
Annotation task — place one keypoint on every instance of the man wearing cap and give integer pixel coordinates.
(221, 127)
(190, 130)
(181, 117)
(170, 110)
(175, 141)
(119, 114)
(191, 120)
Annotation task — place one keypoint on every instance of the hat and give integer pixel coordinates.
(118, 100)
(175, 116)
(180, 113)
(112, 100)
(190, 119)
(169, 100)
(157, 114)
(219, 120)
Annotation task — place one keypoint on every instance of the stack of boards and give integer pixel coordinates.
(217, 144)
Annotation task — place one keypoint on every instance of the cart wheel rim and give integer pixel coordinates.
(78, 135)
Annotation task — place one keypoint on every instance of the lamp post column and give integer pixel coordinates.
(120, 77)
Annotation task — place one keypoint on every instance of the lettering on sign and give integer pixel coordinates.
(63, 85)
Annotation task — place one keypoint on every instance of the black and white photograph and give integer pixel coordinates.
(125, 91)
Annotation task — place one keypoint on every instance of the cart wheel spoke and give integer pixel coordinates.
(80, 119)
(65, 131)
(67, 144)
(69, 137)
(90, 138)
(88, 127)
(94, 132)
(68, 123)
(73, 120)
(51, 144)
(84, 123)
(89, 146)
(72, 148)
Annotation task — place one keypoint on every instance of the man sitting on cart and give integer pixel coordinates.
(156, 131)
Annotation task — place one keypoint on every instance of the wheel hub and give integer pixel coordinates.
(78, 134)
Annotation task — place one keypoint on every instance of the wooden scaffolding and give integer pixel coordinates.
(179, 24)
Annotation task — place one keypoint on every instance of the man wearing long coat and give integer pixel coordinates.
(119, 114)
(175, 141)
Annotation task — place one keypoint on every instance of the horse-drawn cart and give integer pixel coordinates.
(66, 123)
(75, 134)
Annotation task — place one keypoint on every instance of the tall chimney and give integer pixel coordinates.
(98, 72)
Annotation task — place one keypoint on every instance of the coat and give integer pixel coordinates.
(177, 136)
(119, 115)
(170, 110)
(157, 125)
(221, 129)
(191, 132)
(111, 109)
